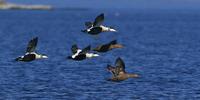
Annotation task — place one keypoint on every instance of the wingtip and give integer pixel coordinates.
(119, 59)
(108, 67)
(35, 38)
(74, 46)
(84, 31)
(89, 47)
(113, 41)
(102, 15)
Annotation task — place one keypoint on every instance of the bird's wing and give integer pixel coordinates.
(120, 66)
(97, 48)
(88, 24)
(113, 42)
(98, 20)
(74, 48)
(112, 70)
(85, 50)
(32, 45)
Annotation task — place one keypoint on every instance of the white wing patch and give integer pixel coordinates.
(76, 54)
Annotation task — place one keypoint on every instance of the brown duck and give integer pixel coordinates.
(107, 47)
(118, 72)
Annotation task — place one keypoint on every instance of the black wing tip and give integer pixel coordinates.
(35, 38)
(108, 66)
(84, 31)
(102, 14)
(113, 41)
(119, 59)
(74, 45)
(120, 63)
(88, 47)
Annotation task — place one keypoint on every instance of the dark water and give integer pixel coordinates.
(162, 47)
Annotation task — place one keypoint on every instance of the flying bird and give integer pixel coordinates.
(96, 27)
(78, 54)
(107, 47)
(31, 54)
(118, 72)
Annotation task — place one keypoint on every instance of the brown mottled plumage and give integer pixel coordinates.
(118, 72)
(107, 47)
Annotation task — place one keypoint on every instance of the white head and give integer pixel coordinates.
(112, 30)
(91, 55)
(42, 56)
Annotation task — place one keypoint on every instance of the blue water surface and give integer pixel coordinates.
(162, 47)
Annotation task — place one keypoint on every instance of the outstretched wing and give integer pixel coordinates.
(120, 66)
(32, 45)
(112, 70)
(85, 50)
(88, 25)
(113, 42)
(98, 20)
(74, 48)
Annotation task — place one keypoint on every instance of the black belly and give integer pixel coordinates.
(27, 58)
(95, 30)
(80, 57)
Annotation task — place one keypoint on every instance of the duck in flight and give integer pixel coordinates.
(30, 54)
(118, 72)
(79, 54)
(107, 47)
(96, 27)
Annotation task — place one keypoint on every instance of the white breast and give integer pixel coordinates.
(104, 28)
